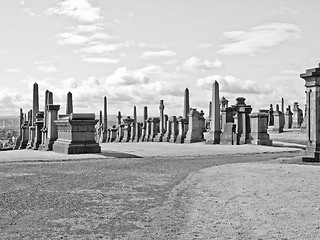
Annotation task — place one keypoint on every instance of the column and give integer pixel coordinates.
(214, 133)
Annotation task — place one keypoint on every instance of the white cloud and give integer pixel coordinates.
(195, 63)
(164, 53)
(259, 38)
(204, 45)
(43, 68)
(29, 12)
(70, 83)
(284, 10)
(80, 10)
(103, 48)
(99, 60)
(13, 70)
(230, 84)
(76, 38)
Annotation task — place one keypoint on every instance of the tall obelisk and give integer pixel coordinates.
(214, 134)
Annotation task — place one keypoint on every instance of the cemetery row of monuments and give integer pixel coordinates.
(72, 133)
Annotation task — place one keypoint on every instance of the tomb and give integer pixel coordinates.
(259, 127)
(76, 134)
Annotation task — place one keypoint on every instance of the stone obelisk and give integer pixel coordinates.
(35, 107)
(69, 108)
(105, 119)
(134, 125)
(214, 134)
(186, 108)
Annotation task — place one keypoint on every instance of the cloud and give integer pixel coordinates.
(204, 45)
(195, 63)
(43, 68)
(13, 70)
(80, 10)
(70, 83)
(230, 84)
(284, 10)
(99, 60)
(259, 39)
(29, 12)
(103, 48)
(164, 53)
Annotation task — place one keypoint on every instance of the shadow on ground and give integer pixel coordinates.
(118, 154)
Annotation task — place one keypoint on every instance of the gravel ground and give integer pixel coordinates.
(109, 198)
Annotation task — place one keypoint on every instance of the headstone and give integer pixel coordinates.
(148, 137)
(25, 135)
(278, 127)
(195, 130)
(182, 132)
(297, 117)
(288, 118)
(113, 136)
(127, 129)
(229, 135)
(174, 129)
(312, 84)
(38, 127)
(138, 132)
(154, 128)
(166, 137)
(271, 118)
(214, 133)
(259, 128)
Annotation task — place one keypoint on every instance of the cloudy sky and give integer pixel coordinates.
(137, 52)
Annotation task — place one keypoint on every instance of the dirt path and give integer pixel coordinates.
(137, 198)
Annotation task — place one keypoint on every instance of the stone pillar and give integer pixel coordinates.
(282, 105)
(297, 117)
(35, 106)
(159, 136)
(312, 84)
(166, 137)
(174, 129)
(105, 119)
(214, 133)
(38, 127)
(259, 127)
(182, 132)
(138, 132)
(52, 134)
(242, 120)
(186, 106)
(18, 140)
(144, 124)
(195, 130)
(45, 119)
(113, 136)
(120, 132)
(271, 119)
(127, 129)
(148, 137)
(134, 125)
(69, 108)
(288, 118)
(277, 120)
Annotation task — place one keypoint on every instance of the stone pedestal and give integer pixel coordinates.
(127, 129)
(229, 135)
(271, 118)
(278, 127)
(166, 137)
(259, 127)
(195, 129)
(52, 132)
(113, 134)
(297, 117)
(38, 133)
(154, 128)
(312, 84)
(76, 134)
(24, 136)
(138, 132)
(159, 136)
(288, 118)
(32, 133)
(120, 132)
(174, 129)
(242, 120)
(182, 133)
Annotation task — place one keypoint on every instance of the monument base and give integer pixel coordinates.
(314, 158)
(213, 137)
(76, 148)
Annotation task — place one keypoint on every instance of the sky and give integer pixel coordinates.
(138, 52)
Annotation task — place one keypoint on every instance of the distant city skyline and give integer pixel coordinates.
(138, 52)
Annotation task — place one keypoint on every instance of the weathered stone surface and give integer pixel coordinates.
(174, 129)
(297, 117)
(52, 133)
(288, 118)
(259, 127)
(242, 120)
(76, 135)
(229, 135)
(38, 127)
(182, 134)
(312, 84)
(195, 131)
(278, 115)
(159, 136)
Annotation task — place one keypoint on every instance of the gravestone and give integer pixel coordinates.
(278, 127)
(174, 129)
(229, 135)
(271, 118)
(242, 120)
(195, 129)
(38, 127)
(288, 118)
(297, 117)
(76, 134)
(182, 134)
(159, 136)
(259, 129)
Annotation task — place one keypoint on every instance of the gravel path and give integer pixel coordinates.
(125, 198)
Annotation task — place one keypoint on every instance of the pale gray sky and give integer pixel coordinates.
(137, 52)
